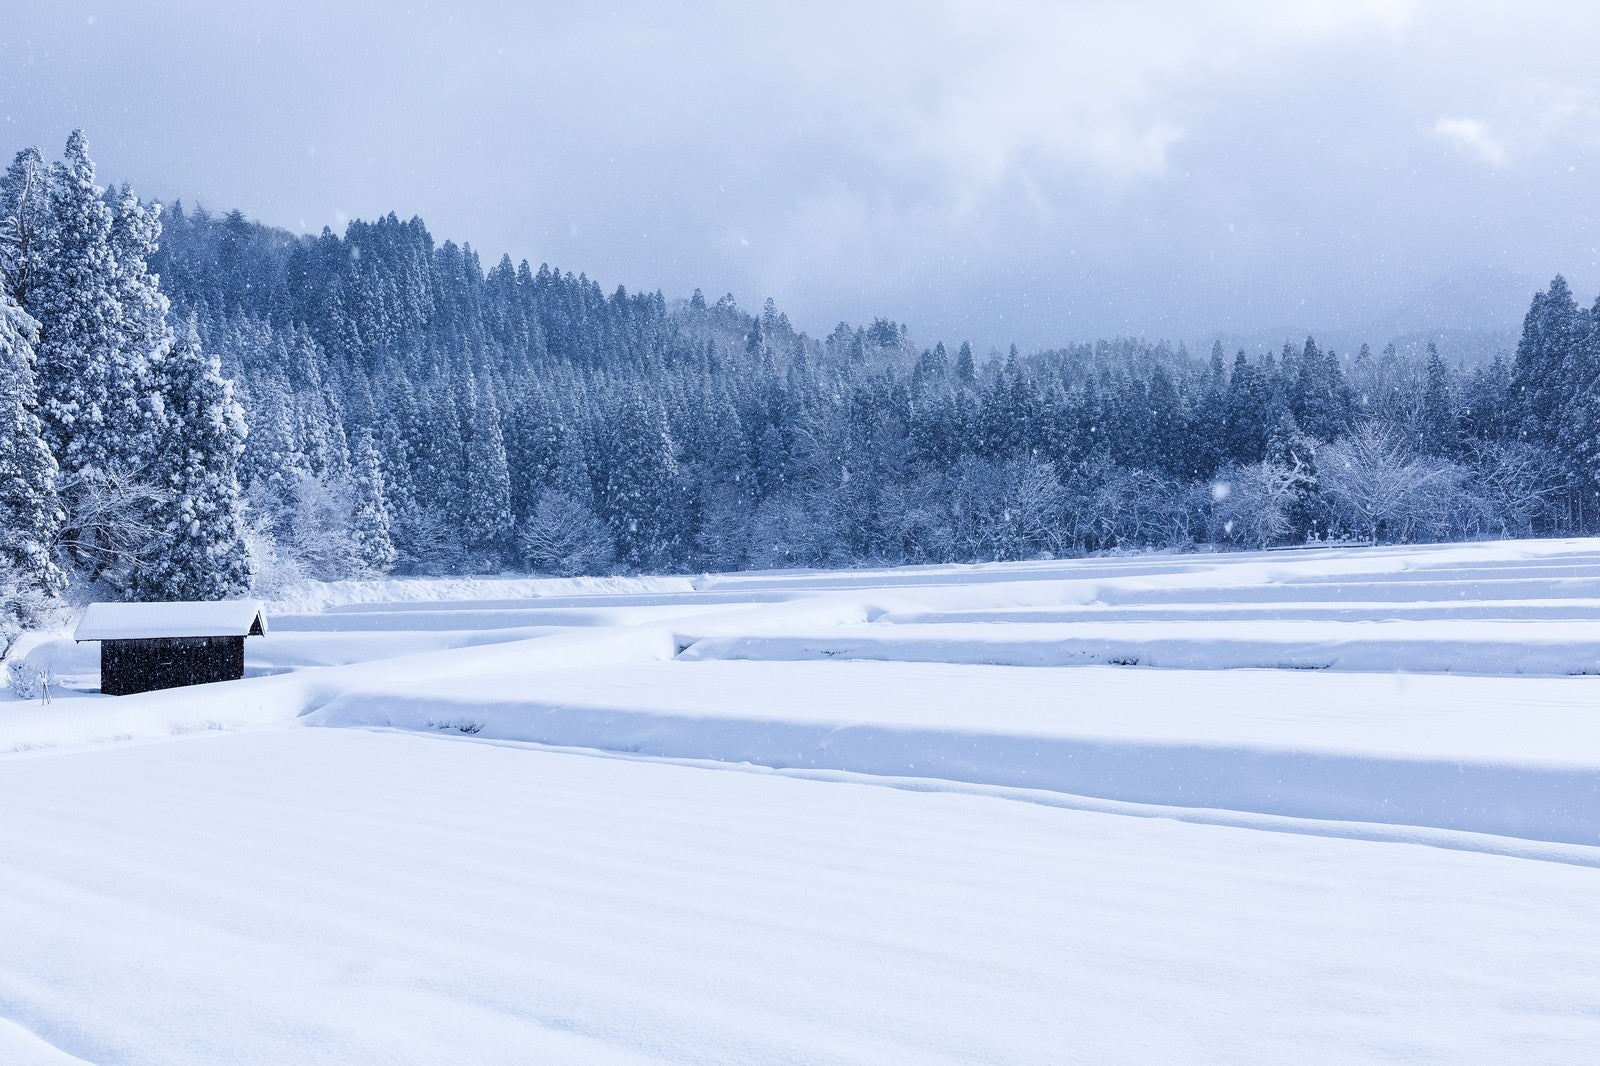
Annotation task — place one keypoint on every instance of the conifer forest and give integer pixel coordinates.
(193, 404)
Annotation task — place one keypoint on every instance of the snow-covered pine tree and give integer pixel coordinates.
(637, 483)
(1292, 451)
(931, 368)
(430, 529)
(533, 438)
(1318, 396)
(1437, 424)
(91, 372)
(30, 513)
(486, 505)
(1248, 402)
(966, 370)
(1549, 332)
(395, 445)
(1210, 416)
(145, 338)
(1578, 438)
(571, 472)
(370, 520)
(272, 459)
(318, 413)
(203, 554)
(103, 339)
(24, 209)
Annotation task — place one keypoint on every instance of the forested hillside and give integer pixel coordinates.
(407, 408)
(523, 415)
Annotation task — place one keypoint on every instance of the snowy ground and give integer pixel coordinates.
(1324, 806)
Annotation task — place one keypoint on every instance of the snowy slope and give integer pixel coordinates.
(1296, 806)
(347, 896)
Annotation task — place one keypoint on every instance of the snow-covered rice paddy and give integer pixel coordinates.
(1334, 805)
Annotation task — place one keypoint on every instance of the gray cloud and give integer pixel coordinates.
(1010, 170)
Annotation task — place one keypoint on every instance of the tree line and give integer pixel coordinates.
(408, 409)
(119, 434)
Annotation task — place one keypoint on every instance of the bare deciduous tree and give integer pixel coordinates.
(564, 536)
(1516, 486)
(112, 522)
(1251, 505)
(1378, 490)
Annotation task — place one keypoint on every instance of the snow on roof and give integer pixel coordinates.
(192, 618)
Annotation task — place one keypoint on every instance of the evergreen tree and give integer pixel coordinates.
(1320, 400)
(966, 370)
(1166, 436)
(1578, 430)
(572, 474)
(272, 460)
(1438, 430)
(1483, 411)
(1209, 417)
(1290, 450)
(203, 554)
(24, 211)
(1549, 333)
(1247, 406)
(93, 356)
(931, 367)
(637, 486)
(317, 408)
(487, 503)
(370, 520)
(30, 513)
(439, 474)
(143, 333)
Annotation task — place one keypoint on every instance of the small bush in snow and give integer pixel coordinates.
(22, 680)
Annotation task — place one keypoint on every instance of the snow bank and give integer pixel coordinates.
(87, 720)
(322, 595)
(1496, 647)
(1449, 753)
(283, 697)
(18, 1045)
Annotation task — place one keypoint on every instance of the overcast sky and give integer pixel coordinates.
(1011, 170)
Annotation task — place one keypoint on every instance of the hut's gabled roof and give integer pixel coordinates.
(192, 618)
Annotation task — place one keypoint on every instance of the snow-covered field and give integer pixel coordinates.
(1321, 806)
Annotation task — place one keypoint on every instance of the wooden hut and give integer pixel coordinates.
(145, 646)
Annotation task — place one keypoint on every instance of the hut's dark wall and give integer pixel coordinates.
(129, 666)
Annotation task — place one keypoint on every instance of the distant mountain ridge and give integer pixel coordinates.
(1470, 315)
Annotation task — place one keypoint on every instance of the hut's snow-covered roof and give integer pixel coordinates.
(193, 618)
